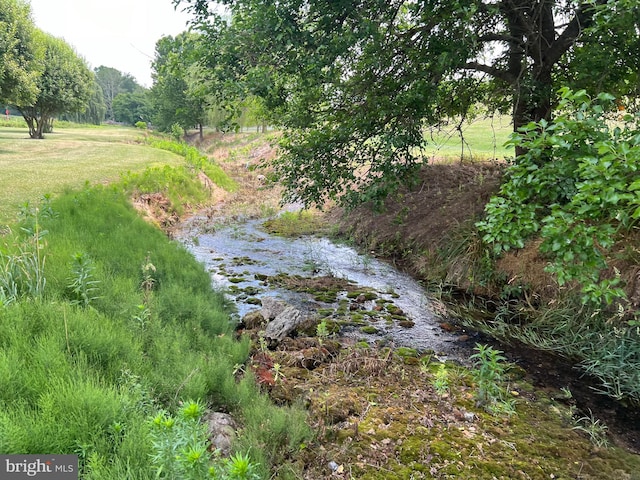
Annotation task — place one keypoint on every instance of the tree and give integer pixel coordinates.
(353, 82)
(113, 82)
(175, 93)
(132, 107)
(95, 111)
(19, 53)
(64, 86)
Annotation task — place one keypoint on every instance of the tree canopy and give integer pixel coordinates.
(354, 82)
(113, 82)
(65, 85)
(19, 53)
(176, 94)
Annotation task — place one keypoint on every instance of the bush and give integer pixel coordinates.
(177, 132)
(577, 187)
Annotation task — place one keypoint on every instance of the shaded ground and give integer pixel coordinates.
(384, 414)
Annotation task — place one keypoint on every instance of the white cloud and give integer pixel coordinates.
(116, 33)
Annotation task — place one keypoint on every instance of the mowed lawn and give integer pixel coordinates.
(482, 139)
(69, 157)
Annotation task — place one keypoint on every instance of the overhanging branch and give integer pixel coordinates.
(491, 70)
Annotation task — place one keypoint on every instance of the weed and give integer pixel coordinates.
(148, 282)
(277, 373)
(322, 331)
(180, 444)
(240, 467)
(262, 342)
(181, 449)
(82, 286)
(489, 374)
(596, 431)
(441, 380)
(22, 273)
(142, 316)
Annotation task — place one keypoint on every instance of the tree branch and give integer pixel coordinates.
(581, 20)
(491, 70)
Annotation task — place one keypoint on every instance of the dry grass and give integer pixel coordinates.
(68, 158)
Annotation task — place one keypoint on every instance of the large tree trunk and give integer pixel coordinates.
(35, 126)
(533, 101)
(48, 125)
(534, 48)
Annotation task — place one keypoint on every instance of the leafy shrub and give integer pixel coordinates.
(141, 125)
(177, 132)
(181, 449)
(489, 374)
(577, 186)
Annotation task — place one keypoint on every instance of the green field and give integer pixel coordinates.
(482, 139)
(70, 157)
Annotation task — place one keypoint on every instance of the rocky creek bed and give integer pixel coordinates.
(386, 386)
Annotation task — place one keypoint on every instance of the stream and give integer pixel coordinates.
(240, 256)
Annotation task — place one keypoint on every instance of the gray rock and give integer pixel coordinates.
(284, 324)
(221, 428)
(271, 308)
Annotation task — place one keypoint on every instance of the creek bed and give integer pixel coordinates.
(242, 259)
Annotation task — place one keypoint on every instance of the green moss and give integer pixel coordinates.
(325, 297)
(406, 352)
(369, 329)
(411, 450)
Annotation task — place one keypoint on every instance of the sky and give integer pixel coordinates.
(121, 34)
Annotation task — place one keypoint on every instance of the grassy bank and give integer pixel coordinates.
(69, 158)
(112, 339)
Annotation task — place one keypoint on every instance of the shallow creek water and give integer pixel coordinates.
(240, 255)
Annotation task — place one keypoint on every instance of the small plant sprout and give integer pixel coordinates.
(262, 342)
(424, 363)
(239, 466)
(148, 282)
(142, 316)
(595, 430)
(322, 332)
(489, 375)
(277, 372)
(441, 380)
(566, 393)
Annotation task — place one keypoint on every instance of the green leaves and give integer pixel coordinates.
(577, 186)
(82, 284)
(65, 85)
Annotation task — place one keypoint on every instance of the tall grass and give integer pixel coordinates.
(195, 160)
(84, 377)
